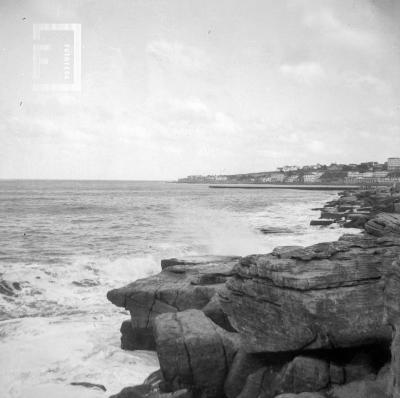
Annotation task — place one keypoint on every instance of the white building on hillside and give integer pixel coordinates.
(394, 164)
(277, 177)
(312, 177)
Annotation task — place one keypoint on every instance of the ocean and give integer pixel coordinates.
(64, 244)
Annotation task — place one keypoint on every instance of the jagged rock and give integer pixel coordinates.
(384, 224)
(323, 296)
(194, 352)
(183, 284)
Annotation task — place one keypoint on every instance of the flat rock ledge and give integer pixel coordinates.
(324, 296)
(306, 322)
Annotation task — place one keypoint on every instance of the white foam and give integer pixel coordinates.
(44, 355)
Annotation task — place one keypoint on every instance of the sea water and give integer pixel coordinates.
(64, 244)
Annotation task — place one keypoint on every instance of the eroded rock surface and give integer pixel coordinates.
(182, 284)
(323, 296)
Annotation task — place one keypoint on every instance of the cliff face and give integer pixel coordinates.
(316, 320)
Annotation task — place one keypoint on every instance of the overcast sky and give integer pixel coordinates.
(178, 87)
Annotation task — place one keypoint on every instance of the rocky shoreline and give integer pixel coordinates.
(307, 322)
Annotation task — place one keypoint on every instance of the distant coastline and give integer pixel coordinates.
(367, 174)
(307, 187)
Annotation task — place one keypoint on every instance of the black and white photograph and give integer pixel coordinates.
(200, 198)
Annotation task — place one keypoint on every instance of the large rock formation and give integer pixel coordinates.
(323, 296)
(182, 284)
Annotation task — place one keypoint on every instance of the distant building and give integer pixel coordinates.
(393, 164)
(221, 178)
(380, 174)
(293, 178)
(312, 177)
(353, 174)
(277, 177)
(367, 174)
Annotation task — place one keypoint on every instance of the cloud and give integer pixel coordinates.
(305, 72)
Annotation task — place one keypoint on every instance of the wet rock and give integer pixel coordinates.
(183, 284)
(321, 222)
(194, 353)
(274, 230)
(136, 339)
(88, 385)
